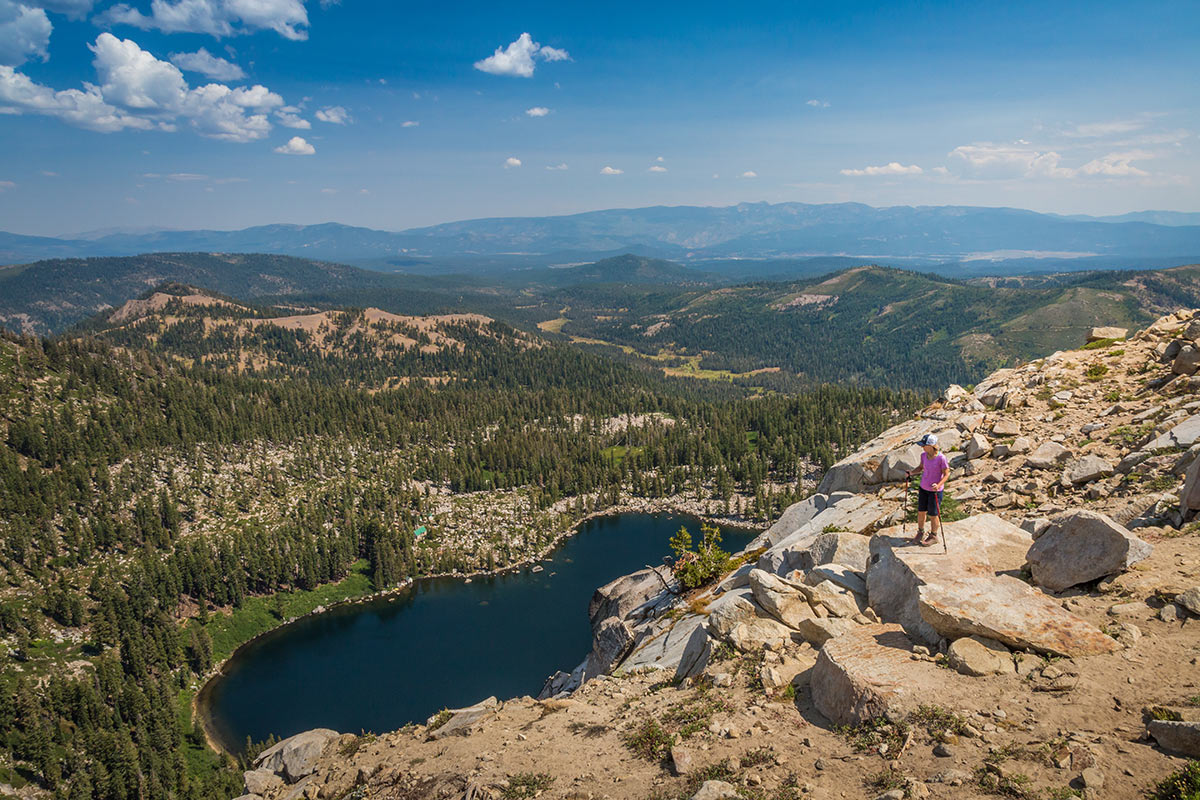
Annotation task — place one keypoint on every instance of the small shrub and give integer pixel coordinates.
(938, 721)
(526, 784)
(1006, 784)
(886, 781)
(1160, 713)
(1095, 372)
(440, 719)
(1100, 344)
(1181, 785)
(879, 735)
(1113, 395)
(757, 757)
(1194, 700)
(650, 741)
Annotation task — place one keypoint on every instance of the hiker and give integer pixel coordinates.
(935, 469)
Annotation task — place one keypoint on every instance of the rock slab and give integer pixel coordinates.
(1080, 546)
(296, 756)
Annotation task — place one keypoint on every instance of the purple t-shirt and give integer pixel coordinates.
(932, 469)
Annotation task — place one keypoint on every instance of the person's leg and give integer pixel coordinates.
(935, 516)
(922, 513)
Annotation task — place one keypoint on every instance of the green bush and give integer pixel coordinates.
(1181, 785)
(705, 564)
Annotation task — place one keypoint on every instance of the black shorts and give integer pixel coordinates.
(926, 501)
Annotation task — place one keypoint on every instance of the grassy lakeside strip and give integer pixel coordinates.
(261, 614)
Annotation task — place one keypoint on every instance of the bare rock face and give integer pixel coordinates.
(1189, 498)
(1010, 611)
(869, 672)
(792, 519)
(610, 642)
(296, 756)
(1183, 435)
(817, 631)
(622, 597)
(261, 781)
(683, 648)
(743, 623)
(1187, 361)
(1182, 738)
(1096, 334)
(977, 656)
(844, 513)
(1080, 546)
(781, 599)
(848, 549)
(465, 721)
(862, 468)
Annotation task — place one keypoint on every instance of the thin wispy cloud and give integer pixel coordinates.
(557, 167)
(817, 103)
(518, 59)
(334, 115)
(296, 146)
(288, 118)
(891, 168)
(409, 123)
(6, 185)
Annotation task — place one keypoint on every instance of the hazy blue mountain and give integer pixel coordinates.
(1170, 218)
(934, 234)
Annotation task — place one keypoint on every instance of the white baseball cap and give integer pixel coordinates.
(928, 439)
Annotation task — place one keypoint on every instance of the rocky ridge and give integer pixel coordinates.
(1048, 644)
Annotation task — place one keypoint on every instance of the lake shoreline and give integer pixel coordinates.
(673, 505)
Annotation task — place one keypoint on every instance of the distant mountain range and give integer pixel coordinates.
(970, 239)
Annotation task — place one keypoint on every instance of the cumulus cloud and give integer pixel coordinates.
(409, 123)
(537, 111)
(24, 33)
(557, 167)
(987, 160)
(75, 9)
(288, 118)
(335, 115)
(891, 168)
(296, 146)
(1116, 165)
(207, 64)
(817, 103)
(216, 17)
(611, 171)
(517, 60)
(657, 168)
(512, 161)
(136, 90)
(749, 174)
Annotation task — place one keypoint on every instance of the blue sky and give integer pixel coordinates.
(230, 113)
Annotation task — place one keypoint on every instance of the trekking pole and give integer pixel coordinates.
(904, 519)
(937, 508)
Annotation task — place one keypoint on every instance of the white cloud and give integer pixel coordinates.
(517, 60)
(657, 168)
(49, 173)
(335, 115)
(557, 167)
(409, 123)
(186, 176)
(329, 191)
(659, 159)
(512, 161)
(207, 64)
(817, 103)
(611, 171)
(136, 90)
(987, 160)
(296, 146)
(537, 111)
(24, 33)
(364, 191)
(291, 120)
(1116, 165)
(75, 9)
(216, 17)
(749, 174)
(1111, 128)
(6, 185)
(892, 168)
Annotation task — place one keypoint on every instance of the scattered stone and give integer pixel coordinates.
(465, 721)
(261, 781)
(683, 760)
(1169, 613)
(781, 599)
(1081, 546)
(941, 750)
(1190, 600)
(1188, 360)
(716, 790)
(1048, 455)
(977, 446)
(1092, 779)
(977, 656)
(1087, 469)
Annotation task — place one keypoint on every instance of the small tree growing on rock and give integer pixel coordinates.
(705, 564)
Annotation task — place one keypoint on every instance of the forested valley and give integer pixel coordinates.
(163, 476)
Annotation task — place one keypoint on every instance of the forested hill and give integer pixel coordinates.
(50, 295)
(867, 324)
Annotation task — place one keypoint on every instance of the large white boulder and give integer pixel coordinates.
(862, 467)
(1080, 546)
(296, 756)
(465, 721)
(869, 672)
(781, 599)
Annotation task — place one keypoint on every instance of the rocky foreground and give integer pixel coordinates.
(1048, 648)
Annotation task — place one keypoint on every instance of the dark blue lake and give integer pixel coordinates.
(442, 643)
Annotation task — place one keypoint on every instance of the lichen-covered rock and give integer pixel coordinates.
(1080, 546)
